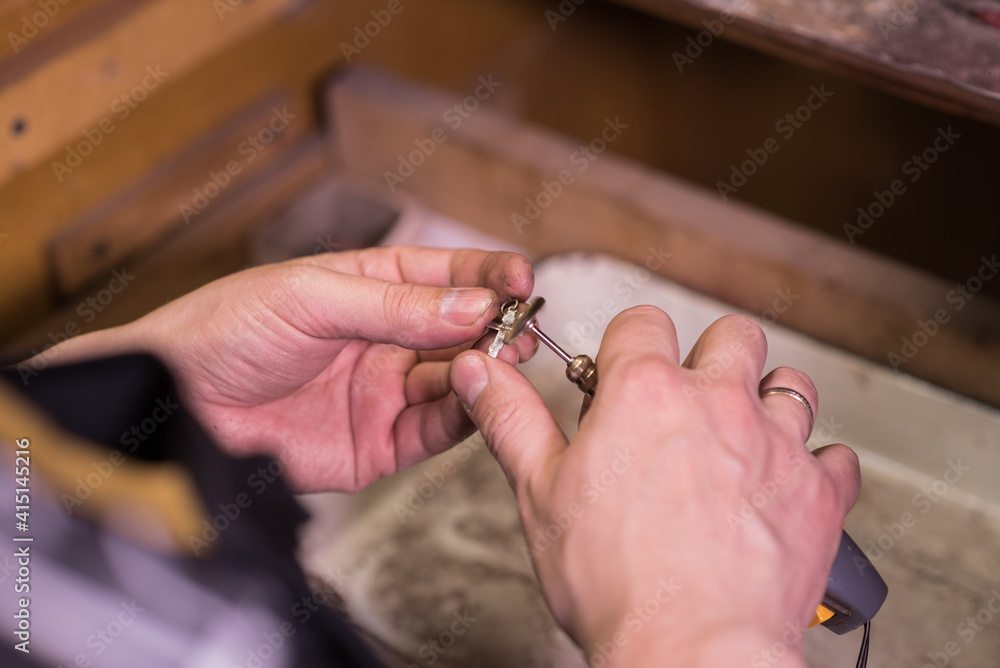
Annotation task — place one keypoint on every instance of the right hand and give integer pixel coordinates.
(631, 526)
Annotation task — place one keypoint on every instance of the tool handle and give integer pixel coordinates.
(583, 371)
(854, 591)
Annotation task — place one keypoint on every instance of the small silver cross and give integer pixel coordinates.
(508, 311)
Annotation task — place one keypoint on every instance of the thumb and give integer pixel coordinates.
(842, 464)
(517, 427)
(330, 304)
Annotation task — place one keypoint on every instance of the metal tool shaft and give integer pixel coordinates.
(580, 369)
(533, 326)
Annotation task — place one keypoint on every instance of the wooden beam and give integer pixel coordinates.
(177, 192)
(882, 45)
(75, 101)
(33, 31)
(294, 53)
(190, 256)
(492, 166)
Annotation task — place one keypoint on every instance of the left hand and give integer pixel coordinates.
(336, 364)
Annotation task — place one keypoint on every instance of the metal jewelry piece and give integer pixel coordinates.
(580, 369)
(794, 395)
(508, 311)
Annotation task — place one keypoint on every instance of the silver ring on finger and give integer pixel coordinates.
(789, 392)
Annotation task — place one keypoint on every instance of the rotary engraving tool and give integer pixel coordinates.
(854, 591)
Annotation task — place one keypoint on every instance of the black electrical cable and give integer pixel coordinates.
(863, 656)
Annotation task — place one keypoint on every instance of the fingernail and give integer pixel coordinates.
(469, 379)
(464, 306)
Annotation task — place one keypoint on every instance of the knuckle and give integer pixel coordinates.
(497, 417)
(731, 396)
(641, 376)
(399, 304)
(283, 292)
(283, 287)
(824, 495)
(850, 454)
(731, 390)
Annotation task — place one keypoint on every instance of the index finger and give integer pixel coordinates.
(508, 274)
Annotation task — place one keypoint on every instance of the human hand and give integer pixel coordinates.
(635, 528)
(337, 364)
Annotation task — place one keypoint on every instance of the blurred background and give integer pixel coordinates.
(829, 168)
(119, 121)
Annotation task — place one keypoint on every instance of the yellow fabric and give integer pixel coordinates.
(154, 503)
